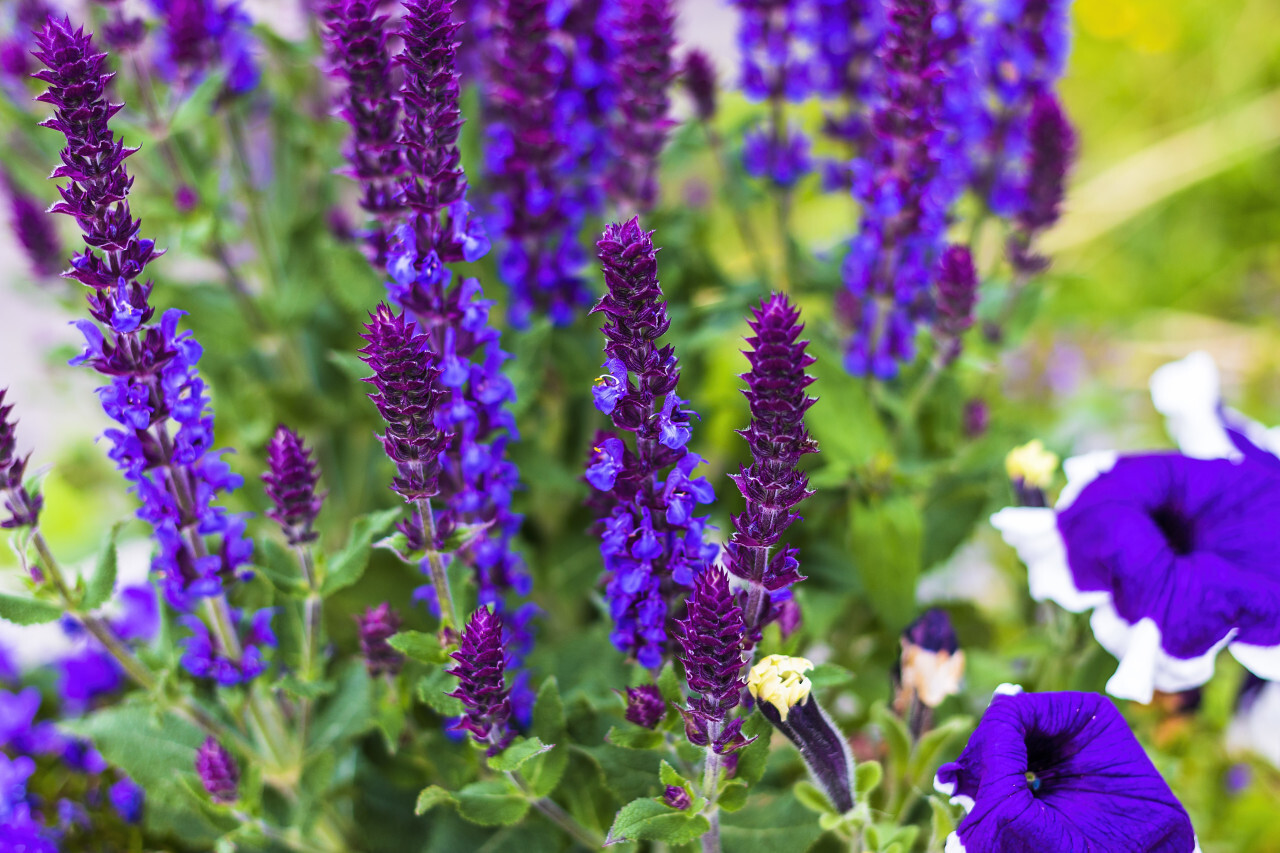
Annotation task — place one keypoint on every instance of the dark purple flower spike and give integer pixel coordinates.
(291, 481)
(644, 70)
(408, 396)
(957, 294)
(699, 75)
(1052, 143)
(33, 226)
(714, 648)
(772, 484)
(22, 507)
(480, 670)
(218, 771)
(376, 626)
(1060, 771)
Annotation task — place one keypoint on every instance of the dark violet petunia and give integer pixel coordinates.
(643, 71)
(290, 481)
(651, 540)
(1060, 772)
(1176, 556)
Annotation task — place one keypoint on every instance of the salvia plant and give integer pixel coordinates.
(486, 457)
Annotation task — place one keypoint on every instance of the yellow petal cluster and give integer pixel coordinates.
(1032, 464)
(779, 680)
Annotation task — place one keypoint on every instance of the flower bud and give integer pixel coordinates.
(218, 771)
(645, 705)
(1031, 468)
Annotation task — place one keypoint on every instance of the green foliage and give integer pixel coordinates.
(21, 610)
(650, 820)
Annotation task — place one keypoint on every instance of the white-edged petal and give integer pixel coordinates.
(1081, 471)
(954, 844)
(1144, 664)
(947, 789)
(1033, 533)
(1188, 392)
(1262, 661)
(1007, 689)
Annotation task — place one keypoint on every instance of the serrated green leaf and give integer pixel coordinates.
(155, 750)
(734, 796)
(668, 775)
(628, 773)
(812, 798)
(349, 564)
(433, 690)
(27, 611)
(419, 646)
(277, 564)
(347, 713)
(634, 737)
(867, 776)
(300, 689)
(521, 750)
(103, 580)
(753, 757)
(492, 802)
(647, 819)
(431, 797)
(545, 771)
(886, 539)
(669, 685)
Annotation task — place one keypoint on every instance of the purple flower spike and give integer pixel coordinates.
(291, 481)
(376, 626)
(713, 639)
(699, 75)
(1060, 771)
(218, 771)
(644, 71)
(1052, 148)
(358, 53)
(408, 396)
(33, 227)
(645, 705)
(480, 670)
(651, 540)
(530, 167)
(164, 439)
(197, 35)
(957, 294)
(204, 657)
(772, 485)
(22, 507)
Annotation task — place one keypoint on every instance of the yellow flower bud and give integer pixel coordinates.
(1032, 464)
(779, 680)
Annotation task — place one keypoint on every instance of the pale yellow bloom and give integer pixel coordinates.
(1032, 464)
(779, 680)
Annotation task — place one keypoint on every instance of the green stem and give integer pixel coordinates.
(435, 563)
(311, 622)
(710, 784)
(554, 813)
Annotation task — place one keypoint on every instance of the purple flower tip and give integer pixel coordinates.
(644, 71)
(218, 771)
(700, 81)
(645, 705)
(480, 670)
(291, 481)
(376, 626)
(408, 396)
(713, 640)
(957, 293)
(22, 507)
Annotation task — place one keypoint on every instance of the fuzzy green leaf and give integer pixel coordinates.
(812, 798)
(492, 802)
(647, 819)
(431, 797)
(634, 737)
(895, 734)
(156, 751)
(27, 611)
(544, 772)
(886, 538)
(867, 776)
(668, 775)
(349, 564)
(753, 757)
(419, 646)
(942, 823)
(434, 689)
(349, 711)
(734, 796)
(520, 751)
(103, 580)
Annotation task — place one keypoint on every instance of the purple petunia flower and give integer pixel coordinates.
(651, 540)
(1061, 772)
(1174, 555)
(290, 481)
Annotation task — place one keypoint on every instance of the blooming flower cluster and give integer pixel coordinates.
(33, 227)
(643, 73)
(198, 36)
(651, 540)
(481, 673)
(844, 42)
(151, 366)
(713, 640)
(291, 479)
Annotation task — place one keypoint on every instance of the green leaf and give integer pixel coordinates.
(348, 713)
(198, 105)
(812, 798)
(628, 773)
(27, 611)
(734, 796)
(431, 797)
(867, 776)
(545, 771)
(773, 824)
(826, 675)
(492, 802)
(753, 757)
(154, 750)
(647, 819)
(349, 564)
(942, 823)
(103, 580)
(668, 775)
(885, 538)
(434, 689)
(514, 756)
(634, 737)
(928, 751)
(419, 646)
(669, 685)
(463, 535)
(895, 735)
(277, 564)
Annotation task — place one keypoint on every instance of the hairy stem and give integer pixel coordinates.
(435, 563)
